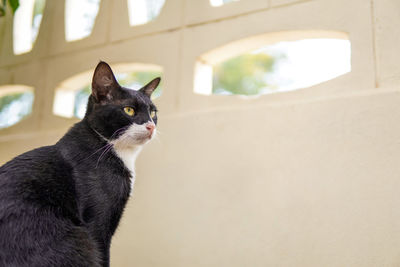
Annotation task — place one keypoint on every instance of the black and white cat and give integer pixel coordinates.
(61, 204)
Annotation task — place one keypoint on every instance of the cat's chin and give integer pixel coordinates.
(147, 138)
(131, 142)
(144, 141)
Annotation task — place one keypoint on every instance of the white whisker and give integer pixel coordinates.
(109, 147)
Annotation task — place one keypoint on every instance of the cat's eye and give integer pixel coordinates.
(153, 113)
(130, 111)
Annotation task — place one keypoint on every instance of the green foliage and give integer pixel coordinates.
(81, 99)
(3, 8)
(139, 79)
(8, 99)
(38, 7)
(14, 107)
(244, 74)
(14, 4)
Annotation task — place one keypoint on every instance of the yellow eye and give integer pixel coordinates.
(130, 111)
(153, 113)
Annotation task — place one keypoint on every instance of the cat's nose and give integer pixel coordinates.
(150, 127)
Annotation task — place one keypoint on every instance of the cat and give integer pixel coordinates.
(60, 205)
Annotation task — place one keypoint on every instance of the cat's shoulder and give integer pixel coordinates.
(33, 160)
(40, 169)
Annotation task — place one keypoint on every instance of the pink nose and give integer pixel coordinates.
(150, 127)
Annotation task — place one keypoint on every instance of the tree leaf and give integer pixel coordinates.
(3, 8)
(14, 4)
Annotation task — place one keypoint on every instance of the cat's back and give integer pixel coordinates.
(38, 176)
(39, 218)
(32, 162)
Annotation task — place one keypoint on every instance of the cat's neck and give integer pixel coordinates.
(128, 156)
(81, 145)
(90, 142)
(95, 144)
(126, 153)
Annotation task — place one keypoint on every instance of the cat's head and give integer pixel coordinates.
(122, 116)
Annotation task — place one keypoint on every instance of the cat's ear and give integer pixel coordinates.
(149, 88)
(103, 82)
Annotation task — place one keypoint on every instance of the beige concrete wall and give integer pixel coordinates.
(303, 178)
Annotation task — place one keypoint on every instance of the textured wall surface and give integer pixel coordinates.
(303, 178)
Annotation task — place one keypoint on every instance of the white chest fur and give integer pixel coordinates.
(129, 144)
(128, 156)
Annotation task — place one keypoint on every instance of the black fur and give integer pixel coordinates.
(61, 204)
